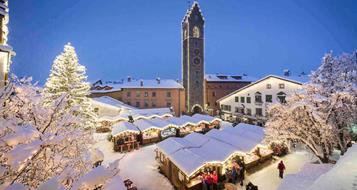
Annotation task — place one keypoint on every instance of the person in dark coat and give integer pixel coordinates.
(234, 174)
(241, 173)
(281, 168)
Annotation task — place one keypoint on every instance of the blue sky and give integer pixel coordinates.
(141, 38)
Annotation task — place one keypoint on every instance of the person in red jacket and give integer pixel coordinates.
(215, 180)
(281, 168)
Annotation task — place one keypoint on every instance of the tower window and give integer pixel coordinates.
(196, 32)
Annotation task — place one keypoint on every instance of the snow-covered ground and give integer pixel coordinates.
(268, 177)
(140, 166)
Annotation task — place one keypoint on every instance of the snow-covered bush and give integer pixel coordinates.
(44, 145)
(68, 77)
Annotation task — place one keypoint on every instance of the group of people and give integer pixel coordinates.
(209, 180)
(236, 174)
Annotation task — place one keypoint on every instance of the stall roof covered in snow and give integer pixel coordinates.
(112, 86)
(123, 127)
(207, 118)
(228, 78)
(195, 150)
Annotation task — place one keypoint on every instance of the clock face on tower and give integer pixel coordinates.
(196, 52)
(196, 61)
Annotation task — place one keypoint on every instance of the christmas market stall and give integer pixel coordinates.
(125, 136)
(183, 160)
(167, 129)
(213, 122)
(150, 133)
(250, 139)
(195, 124)
(182, 123)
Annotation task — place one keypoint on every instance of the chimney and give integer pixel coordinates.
(141, 83)
(286, 72)
(129, 78)
(158, 80)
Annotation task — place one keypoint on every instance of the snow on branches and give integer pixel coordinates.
(44, 144)
(69, 77)
(319, 115)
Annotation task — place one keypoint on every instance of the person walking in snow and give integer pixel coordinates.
(281, 168)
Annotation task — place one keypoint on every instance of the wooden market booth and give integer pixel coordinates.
(183, 159)
(125, 136)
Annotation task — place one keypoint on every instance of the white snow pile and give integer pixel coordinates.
(52, 184)
(342, 175)
(21, 135)
(21, 153)
(95, 178)
(305, 177)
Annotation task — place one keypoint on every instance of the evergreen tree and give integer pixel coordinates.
(68, 77)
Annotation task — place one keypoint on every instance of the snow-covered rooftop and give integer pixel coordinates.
(228, 78)
(110, 86)
(195, 150)
(110, 109)
(112, 102)
(123, 127)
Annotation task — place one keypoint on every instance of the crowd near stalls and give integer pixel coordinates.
(127, 136)
(185, 160)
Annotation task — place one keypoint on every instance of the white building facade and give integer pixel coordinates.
(249, 103)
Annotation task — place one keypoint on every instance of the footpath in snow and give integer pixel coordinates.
(139, 166)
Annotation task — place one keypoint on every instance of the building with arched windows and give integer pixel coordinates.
(249, 103)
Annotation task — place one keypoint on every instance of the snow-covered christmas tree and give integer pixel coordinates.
(68, 77)
(40, 147)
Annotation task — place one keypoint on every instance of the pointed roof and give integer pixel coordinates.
(194, 6)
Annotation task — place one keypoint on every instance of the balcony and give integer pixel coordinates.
(258, 103)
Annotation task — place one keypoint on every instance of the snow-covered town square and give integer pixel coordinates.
(178, 95)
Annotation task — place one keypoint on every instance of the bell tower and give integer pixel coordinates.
(193, 59)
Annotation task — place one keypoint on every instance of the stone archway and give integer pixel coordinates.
(197, 109)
